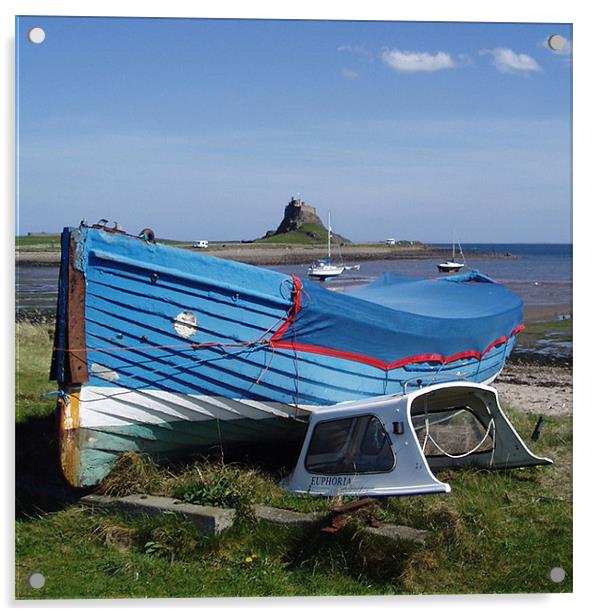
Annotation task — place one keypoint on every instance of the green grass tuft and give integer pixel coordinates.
(219, 485)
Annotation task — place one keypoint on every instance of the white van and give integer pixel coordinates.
(201, 244)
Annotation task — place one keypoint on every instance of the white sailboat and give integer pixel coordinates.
(324, 268)
(451, 265)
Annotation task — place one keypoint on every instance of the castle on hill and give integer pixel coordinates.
(296, 214)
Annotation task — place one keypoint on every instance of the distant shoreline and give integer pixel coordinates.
(268, 254)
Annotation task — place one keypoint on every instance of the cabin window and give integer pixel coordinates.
(351, 445)
(455, 431)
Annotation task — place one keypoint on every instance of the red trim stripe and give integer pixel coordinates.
(320, 350)
(383, 365)
(517, 330)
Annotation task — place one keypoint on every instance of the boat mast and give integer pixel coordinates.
(461, 253)
(329, 237)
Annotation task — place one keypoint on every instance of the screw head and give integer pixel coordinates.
(36, 581)
(556, 42)
(557, 575)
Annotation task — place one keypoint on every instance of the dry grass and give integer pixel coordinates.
(134, 473)
(115, 535)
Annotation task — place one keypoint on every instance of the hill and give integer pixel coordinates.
(300, 225)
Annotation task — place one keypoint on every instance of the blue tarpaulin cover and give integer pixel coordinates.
(399, 317)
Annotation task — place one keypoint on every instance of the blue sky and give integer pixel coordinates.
(205, 128)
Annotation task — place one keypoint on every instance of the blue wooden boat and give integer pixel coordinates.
(166, 351)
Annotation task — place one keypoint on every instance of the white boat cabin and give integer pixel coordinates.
(390, 446)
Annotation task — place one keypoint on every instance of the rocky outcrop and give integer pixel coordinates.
(296, 214)
(302, 218)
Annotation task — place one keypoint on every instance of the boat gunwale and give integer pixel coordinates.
(105, 256)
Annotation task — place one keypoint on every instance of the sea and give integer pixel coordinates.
(540, 273)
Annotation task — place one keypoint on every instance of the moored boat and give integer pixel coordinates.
(325, 268)
(167, 351)
(451, 265)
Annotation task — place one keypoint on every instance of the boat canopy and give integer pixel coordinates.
(396, 320)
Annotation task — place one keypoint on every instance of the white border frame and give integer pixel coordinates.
(574, 11)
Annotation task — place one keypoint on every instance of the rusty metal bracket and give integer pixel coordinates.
(342, 514)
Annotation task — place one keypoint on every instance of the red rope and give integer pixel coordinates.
(297, 287)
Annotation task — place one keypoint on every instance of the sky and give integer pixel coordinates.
(204, 129)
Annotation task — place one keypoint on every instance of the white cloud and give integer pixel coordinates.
(349, 73)
(507, 61)
(416, 61)
(359, 50)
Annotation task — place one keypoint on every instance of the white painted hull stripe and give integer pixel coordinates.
(113, 406)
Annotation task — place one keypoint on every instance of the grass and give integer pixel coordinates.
(498, 532)
(38, 243)
(560, 330)
(33, 357)
(308, 233)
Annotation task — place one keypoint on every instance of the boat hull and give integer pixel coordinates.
(446, 269)
(323, 273)
(98, 425)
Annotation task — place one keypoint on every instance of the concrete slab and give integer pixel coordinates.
(284, 517)
(210, 520)
(213, 520)
(396, 532)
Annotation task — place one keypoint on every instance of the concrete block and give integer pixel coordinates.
(284, 517)
(213, 520)
(210, 520)
(396, 532)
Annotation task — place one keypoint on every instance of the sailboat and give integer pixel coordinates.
(452, 265)
(324, 268)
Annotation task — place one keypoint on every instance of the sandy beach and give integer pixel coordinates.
(536, 390)
(535, 384)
